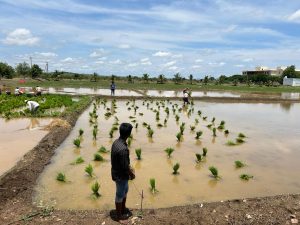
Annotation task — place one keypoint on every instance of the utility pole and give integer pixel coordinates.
(30, 61)
(46, 67)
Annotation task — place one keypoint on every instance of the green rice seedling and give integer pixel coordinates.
(138, 153)
(213, 119)
(239, 140)
(141, 114)
(107, 115)
(102, 149)
(239, 164)
(165, 121)
(159, 125)
(77, 142)
(150, 133)
(198, 134)
(131, 117)
(95, 189)
(61, 177)
(214, 171)
(116, 119)
(204, 117)
(81, 132)
(221, 127)
(153, 186)
(226, 131)
(148, 127)
(133, 121)
(198, 157)
(204, 150)
(176, 168)
(199, 112)
(222, 123)
(95, 132)
(209, 125)
(177, 118)
(167, 111)
(114, 128)
(241, 135)
(192, 128)
(98, 157)
(78, 161)
(230, 143)
(246, 177)
(145, 124)
(169, 151)
(157, 116)
(89, 170)
(111, 133)
(196, 121)
(129, 108)
(129, 141)
(214, 132)
(136, 125)
(178, 136)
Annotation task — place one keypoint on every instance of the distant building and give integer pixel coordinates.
(263, 70)
(291, 81)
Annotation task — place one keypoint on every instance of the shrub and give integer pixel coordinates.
(61, 177)
(239, 164)
(175, 168)
(76, 142)
(95, 189)
(204, 152)
(198, 134)
(214, 171)
(89, 170)
(98, 157)
(246, 176)
(153, 185)
(169, 151)
(138, 153)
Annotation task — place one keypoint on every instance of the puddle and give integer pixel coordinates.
(271, 153)
(90, 91)
(18, 136)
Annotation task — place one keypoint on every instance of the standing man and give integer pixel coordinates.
(32, 106)
(112, 88)
(121, 171)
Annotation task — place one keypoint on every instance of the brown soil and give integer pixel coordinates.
(17, 188)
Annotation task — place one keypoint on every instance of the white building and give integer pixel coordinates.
(291, 81)
(263, 70)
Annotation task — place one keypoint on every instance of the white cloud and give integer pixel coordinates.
(216, 63)
(177, 56)
(239, 65)
(102, 58)
(47, 54)
(97, 53)
(116, 62)
(68, 60)
(295, 16)
(99, 62)
(144, 59)
(124, 46)
(196, 66)
(132, 65)
(248, 60)
(174, 68)
(198, 60)
(147, 63)
(21, 36)
(162, 54)
(168, 64)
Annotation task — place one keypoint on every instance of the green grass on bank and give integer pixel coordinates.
(140, 85)
(50, 105)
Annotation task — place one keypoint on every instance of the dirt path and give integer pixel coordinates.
(17, 188)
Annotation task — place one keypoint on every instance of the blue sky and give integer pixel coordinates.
(203, 37)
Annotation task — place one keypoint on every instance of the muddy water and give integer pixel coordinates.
(17, 137)
(271, 153)
(90, 91)
(155, 93)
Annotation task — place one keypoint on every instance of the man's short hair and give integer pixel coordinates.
(125, 130)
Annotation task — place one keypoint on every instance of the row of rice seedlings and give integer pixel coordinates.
(199, 156)
(239, 140)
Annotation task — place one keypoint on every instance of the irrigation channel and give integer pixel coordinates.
(270, 153)
(18, 136)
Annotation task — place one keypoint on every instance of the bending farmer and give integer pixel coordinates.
(32, 106)
(121, 171)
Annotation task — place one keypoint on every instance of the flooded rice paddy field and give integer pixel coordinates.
(17, 137)
(271, 154)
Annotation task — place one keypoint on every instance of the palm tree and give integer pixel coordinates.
(161, 79)
(191, 78)
(177, 78)
(146, 77)
(130, 80)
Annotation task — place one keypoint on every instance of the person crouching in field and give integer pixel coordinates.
(33, 106)
(121, 171)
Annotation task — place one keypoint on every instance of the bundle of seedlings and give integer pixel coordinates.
(78, 160)
(138, 153)
(61, 177)
(169, 151)
(198, 134)
(98, 157)
(89, 170)
(239, 164)
(214, 172)
(153, 186)
(176, 168)
(77, 142)
(246, 177)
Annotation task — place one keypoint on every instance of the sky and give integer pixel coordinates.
(122, 37)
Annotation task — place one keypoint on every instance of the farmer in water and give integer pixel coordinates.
(121, 171)
(112, 88)
(32, 106)
(185, 97)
